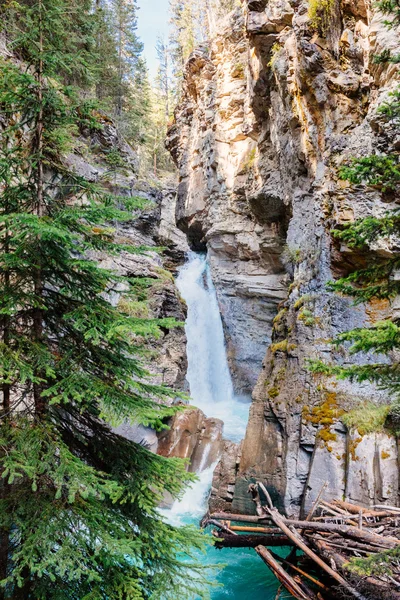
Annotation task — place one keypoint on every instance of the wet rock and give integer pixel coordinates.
(224, 479)
(193, 436)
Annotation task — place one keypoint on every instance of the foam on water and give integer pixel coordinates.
(194, 502)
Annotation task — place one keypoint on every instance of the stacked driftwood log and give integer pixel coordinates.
(330, 538)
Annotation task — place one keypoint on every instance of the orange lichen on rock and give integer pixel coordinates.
(325, 415)
(352, 447)
(327, 436)
(377, 309)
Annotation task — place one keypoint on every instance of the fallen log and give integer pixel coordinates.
(339, 542)
(366, 511)
(334, 542)
(286, 580)
(394, 509)
(346, 531)
(296, 539)
(227, 540)
(267, 530)
(341, 563)
(220, 525)
(295, 568)
(240, 518)
(335, 509)
(341, 514)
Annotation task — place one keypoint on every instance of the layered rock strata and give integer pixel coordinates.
(190, 434)
(269, 112)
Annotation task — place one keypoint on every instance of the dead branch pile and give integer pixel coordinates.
(333, 533)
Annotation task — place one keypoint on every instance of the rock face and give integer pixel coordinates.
(224, 478)
(269, 113)
(215, 146)
(191, 435)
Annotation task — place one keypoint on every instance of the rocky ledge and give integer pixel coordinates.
(270, 110)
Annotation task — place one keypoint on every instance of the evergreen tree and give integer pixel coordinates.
(106, 66)
(189, 29)
(78, 503)
(129, 48)
(379, 279)
(163, 75)
(157, 157)
(193, 23)
(120, 71)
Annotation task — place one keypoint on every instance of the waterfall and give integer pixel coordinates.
(212, 391)
(208, 375)
(193, 505)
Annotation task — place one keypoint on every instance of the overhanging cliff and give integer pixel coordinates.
(269, 112)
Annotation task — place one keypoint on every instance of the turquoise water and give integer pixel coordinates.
(245, 576)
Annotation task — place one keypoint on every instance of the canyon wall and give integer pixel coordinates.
(269, 111)
(190, 434)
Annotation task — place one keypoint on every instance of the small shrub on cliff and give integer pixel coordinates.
(308, 318)
(381, 171)
(320, 13)
(276, 48)
(283, 346)
(391, 109)
(293, 254)
(249, 161)
(367, 418)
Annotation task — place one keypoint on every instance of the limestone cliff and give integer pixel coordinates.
(190, 435)
(269, 111)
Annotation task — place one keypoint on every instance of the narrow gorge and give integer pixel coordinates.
(200, 300)
(270, 110)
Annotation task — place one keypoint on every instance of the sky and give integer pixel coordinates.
(152, 21)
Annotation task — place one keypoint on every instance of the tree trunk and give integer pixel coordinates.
(211, 18)
(225, 540)
(24, 592)
(99, 87)
(37, 278)
(120, 64)
(166, 84)
(286, 580)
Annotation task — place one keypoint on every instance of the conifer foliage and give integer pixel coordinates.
(193, 24)
(78, 503)
(380, 278)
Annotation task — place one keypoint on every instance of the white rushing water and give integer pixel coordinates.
(208, 373)
(193, 505)
(211, 389)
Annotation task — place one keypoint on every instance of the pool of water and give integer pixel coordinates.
(242, 575)
(245, 576)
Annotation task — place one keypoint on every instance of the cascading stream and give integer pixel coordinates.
(208, 373)
(211, 390)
